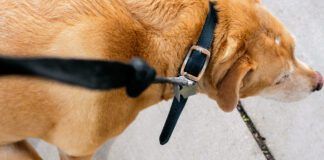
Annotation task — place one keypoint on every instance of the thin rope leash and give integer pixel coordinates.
(255, 133)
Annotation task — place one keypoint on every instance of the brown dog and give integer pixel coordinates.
(252, 54)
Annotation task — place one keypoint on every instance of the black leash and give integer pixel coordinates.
(192, 69)
(92, 74)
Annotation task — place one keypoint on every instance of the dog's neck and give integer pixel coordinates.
(173, 27)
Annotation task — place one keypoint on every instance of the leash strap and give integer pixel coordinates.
(193, 68)
(92, 74)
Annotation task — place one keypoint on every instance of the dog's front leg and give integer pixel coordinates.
(18, 151)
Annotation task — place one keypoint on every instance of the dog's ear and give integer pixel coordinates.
(228, 93)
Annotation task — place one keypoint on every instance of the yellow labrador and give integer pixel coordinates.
(252, 54)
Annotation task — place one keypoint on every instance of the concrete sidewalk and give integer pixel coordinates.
(293, 131)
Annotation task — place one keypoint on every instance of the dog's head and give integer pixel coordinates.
(256, 58)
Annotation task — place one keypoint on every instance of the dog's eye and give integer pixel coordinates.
(282, 79)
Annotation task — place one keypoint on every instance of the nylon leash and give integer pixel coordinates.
(92, 74)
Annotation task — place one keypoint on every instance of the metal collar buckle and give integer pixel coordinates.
(190, 76)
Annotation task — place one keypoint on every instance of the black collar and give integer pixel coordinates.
(193, 69)
(198, 57)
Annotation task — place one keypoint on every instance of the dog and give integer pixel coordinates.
(252, 54)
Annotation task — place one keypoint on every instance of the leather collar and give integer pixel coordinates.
(192, 69)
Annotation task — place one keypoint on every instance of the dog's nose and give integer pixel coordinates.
(319, 85)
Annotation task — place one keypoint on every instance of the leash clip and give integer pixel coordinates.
(185, 90)
(202, 51)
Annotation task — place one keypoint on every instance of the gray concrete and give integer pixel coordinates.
(293, 131)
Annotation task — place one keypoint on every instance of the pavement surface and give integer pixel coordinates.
(293, 131)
